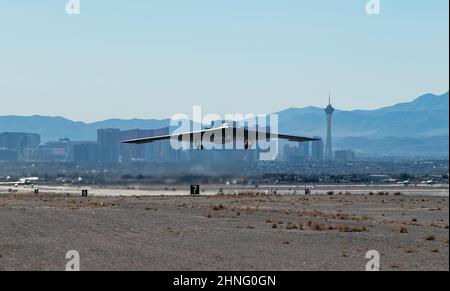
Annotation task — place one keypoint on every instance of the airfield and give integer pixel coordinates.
(227, 227)
(211, 190)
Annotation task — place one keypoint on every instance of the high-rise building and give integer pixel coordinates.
(92, 152)
(19, 141)
(344, 155)
(85, 152)
(296, 153)
(108, 136)
(52, 151)
(110, 139)
(162, 151)
(304, 148)
(8, 155)
(317, 150)
(158, 152)
(329, 145)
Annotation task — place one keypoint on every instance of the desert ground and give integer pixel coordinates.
(236, 230)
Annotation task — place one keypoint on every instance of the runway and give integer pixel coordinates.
(208, 190)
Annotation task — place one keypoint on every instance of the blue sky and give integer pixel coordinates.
(154, 58)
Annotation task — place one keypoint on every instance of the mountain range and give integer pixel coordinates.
(419, 127)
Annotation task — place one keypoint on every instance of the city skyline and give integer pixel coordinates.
(400, 129)
(153, 59)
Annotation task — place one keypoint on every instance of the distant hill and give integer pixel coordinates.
(425, 116)
(417, 127)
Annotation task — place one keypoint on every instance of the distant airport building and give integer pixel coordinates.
(344, 155)
(380, 179)
(329, 146)
(317, 150)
